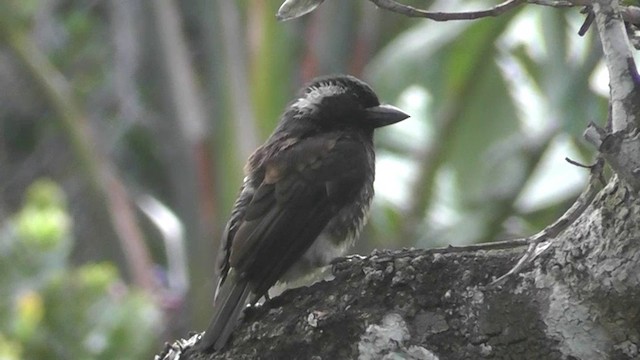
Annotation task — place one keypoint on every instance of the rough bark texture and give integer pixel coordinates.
(577, 301)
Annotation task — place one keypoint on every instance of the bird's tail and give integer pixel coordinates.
(231, 298)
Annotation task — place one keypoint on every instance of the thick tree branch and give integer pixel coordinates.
(425, 304)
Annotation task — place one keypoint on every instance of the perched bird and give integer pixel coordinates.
(305, 196)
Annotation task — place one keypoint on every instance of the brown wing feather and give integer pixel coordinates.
(237, 215)
(304, 186)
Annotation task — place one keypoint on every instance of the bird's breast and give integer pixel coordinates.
(339, 234)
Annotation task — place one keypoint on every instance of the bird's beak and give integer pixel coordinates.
(384, 115)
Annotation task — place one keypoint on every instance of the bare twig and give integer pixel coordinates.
(587, 20)
(551, 3)
(292, 9)
(575, 163)
(539, 242)
(410, 11)
(549, 232)
(630, 14)
(496, 245)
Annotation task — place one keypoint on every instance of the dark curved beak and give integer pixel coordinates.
(384, 115)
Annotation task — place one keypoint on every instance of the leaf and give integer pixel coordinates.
(292, 9)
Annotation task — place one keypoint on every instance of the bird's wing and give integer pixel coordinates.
(303, 187)
(245, 196)
(237, 214)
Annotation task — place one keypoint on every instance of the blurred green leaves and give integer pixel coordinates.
(43, 222)
(500, 99)
(54, 310)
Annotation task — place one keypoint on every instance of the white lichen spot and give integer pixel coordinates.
(447, 295)
(477, 295)
(315, 316)
(386, 341)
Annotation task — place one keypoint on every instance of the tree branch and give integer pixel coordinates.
(410, 11)
(623, 75)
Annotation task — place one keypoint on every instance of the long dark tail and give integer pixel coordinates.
(230, 300)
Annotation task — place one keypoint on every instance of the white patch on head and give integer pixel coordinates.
(314, 95)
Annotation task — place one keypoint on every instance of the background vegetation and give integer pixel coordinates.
(143, 112)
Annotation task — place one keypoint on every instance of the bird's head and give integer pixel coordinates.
(343, 101)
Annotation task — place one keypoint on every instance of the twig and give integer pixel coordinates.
(551, 3)
(630, 14)
(496, 245)
(587, 20)
(410, 11)
(569, 217)
(575, 163)
(290, 10)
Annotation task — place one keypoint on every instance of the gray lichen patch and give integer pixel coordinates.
(387, 341)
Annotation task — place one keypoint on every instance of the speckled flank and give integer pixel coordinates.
(328, 245)
(339, 234)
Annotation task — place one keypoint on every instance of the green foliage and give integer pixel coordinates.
(53, 310)
(499, 103)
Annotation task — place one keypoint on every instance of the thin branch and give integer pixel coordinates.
(549, 232)
(539, 242)
(587, 21)
(496, 245)
(410, 11)
(630, 14)
(578, 164)
(551, 3)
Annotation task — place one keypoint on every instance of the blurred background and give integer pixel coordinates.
(125, 124)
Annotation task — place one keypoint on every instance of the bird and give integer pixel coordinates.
(304, 199)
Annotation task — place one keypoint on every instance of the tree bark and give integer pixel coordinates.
(577, 301)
